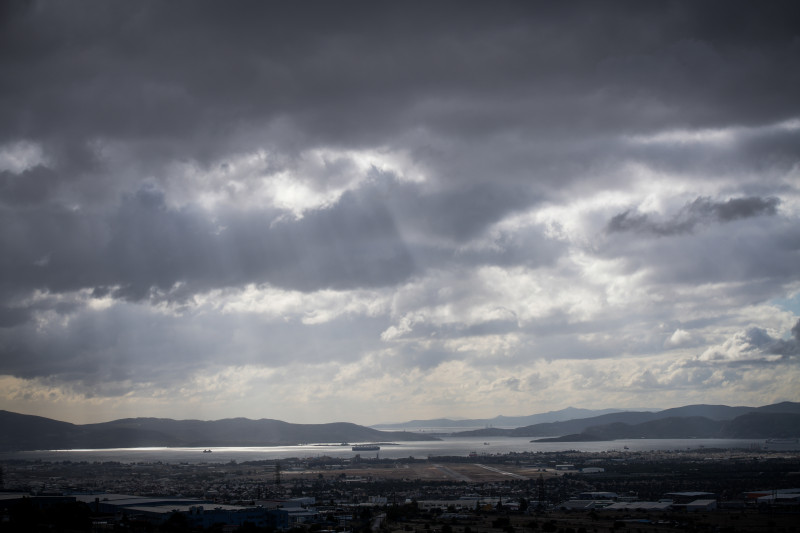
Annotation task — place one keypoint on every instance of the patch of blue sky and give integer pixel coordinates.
(790, 304)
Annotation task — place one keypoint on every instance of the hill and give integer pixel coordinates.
(578, 425)
(752, 425)
(764, 424)
(712, 413)
(26, 432)
(501, 421)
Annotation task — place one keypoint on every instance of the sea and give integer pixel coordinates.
(447, 446)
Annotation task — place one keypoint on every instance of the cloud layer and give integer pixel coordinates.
(321, 212)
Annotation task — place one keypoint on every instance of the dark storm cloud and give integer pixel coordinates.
(701, 210)
(145, 245)
(126, 342)
(145, 249)
(142, 111)
(178, 80)
(458, 214)
(762, 257)
(190, 74)
(734, 208)
(31, 186)
(13, 316)
(464, 213)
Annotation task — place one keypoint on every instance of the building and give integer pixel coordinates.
(682, 498)
(701, 505)
(200, 513)
(598, 496)
(585, 505)
(640, 506)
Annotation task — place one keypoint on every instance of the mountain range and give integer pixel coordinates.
(781, 420)
(570, 413)
(27, 432)
(748, 426)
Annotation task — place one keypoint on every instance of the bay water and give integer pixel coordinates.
(447, 446)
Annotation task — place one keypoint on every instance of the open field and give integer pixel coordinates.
(430, 471)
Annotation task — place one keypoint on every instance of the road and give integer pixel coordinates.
(503, 472)
(451, 473)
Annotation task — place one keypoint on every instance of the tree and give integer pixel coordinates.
(176, 523)
(549, 526)
(523, 505)
(69, 516)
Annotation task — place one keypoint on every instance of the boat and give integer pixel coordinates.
(206, 451)
(366, 448)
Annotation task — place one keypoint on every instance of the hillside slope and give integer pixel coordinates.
(26, 432)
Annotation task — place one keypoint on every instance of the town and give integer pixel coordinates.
(696, 490)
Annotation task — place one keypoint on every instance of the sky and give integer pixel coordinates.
(384, 211)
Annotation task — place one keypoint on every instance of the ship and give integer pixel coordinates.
(366, 448)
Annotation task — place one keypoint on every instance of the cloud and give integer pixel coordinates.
(447, 207)
(701, 210)
(146, 246)
(679, 338)
(787, 347)
(30, 186)
(754, 345)
(754, 252)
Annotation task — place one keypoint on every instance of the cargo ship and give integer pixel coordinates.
(366, 448)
